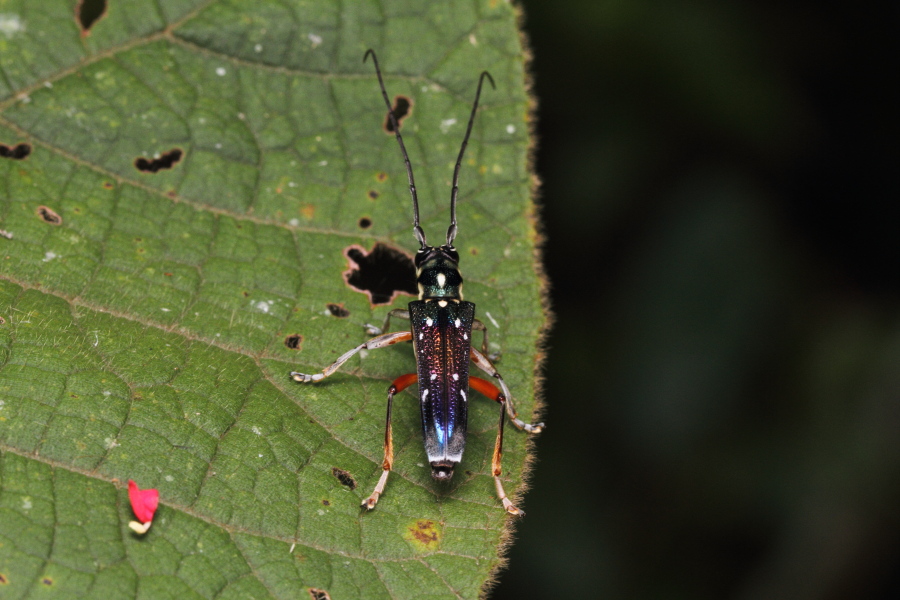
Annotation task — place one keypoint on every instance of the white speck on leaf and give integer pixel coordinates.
(446, 124)
(363, 354)
(510, 129)
(493, 320)
(294, 222)
(110, 443)
(257, 48)
(26, 503)
(320, 512)
(166, 309)
(473, 40)
(263, 306)
(10, 25)
(315, 39)
(256, 430)
(49, 255)
(2, 404)
(220, 71)
(48, 85)
(169, 478)
(323, 163)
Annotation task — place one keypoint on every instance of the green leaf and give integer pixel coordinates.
(143, 315)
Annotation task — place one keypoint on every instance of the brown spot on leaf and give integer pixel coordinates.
(424, 534)
(373, 195)
(165, 161)
(381, 177)
(293, 341)
(47, 581)
(3, 579)
(108, 185)
(344, 477)
(317, 594)
(48, 215)
(17, 152)
(308, 211)
(337, 310)
(326, 502)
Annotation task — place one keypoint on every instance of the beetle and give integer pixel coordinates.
(441, 326)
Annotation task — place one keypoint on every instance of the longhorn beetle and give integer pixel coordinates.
(441, 328)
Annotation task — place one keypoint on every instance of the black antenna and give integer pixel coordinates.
(451, 232)
(417, 230)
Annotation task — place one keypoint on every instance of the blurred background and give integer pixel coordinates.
(723, 240)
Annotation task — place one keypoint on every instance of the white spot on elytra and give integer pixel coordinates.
(421, 335)
(463, 394)
(424, 395)
(10, 25)
(446, 124)
(456, 377)
(220, 71)
(441, 279)
(314, 39)
(465, 336)
(510, 129)
(429, 322)
(457, 323)
(433, 376)
(493, 320)
(442, 303)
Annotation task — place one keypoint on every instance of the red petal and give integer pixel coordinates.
(143, 502)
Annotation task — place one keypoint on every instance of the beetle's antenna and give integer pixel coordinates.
(417, 230)
(451, 232)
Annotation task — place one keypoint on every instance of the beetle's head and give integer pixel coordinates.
(437, 273)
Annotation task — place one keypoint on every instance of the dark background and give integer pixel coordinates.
(723, 241)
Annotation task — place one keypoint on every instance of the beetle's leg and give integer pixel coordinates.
(482, 362)
(397, 313)
(378, 342)
(479, 326)
(400, 384)
(490, 390)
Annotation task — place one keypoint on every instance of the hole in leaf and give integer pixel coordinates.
(48, 215)
(344, 477)
(17, 152)
(293, 341)
(326, 503)
(365, 223)
(380, 274)
(402, 107)
(337, 310)
(166, 161)
(373, 195)
(317, 594)
(89, 12)
(2, 321)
